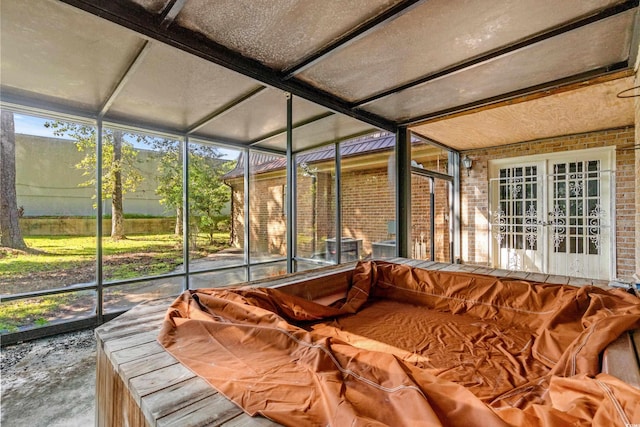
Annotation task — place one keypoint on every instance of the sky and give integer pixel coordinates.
(31, 125)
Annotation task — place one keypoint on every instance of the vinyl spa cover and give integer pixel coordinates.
(410, 347)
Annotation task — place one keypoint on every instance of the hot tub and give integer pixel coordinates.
(433, 346)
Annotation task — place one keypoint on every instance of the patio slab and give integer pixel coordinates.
(49, 382)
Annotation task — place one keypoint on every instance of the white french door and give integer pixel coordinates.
(554, 214)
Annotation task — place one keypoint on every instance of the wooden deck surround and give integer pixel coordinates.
(139, 384)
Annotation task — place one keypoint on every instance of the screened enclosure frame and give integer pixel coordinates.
(169, 72)
(184, 139)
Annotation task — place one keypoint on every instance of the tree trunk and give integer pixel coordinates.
(10, 234)
(178, 229)
(117, 213)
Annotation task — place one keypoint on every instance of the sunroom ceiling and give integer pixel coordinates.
(221, 70)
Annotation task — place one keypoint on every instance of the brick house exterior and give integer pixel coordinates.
(368, 198)
(368, 201)
(475, 192)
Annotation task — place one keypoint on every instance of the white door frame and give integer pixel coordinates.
(542, 161)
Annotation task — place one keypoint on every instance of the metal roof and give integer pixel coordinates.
(265, 162)
(220, 70)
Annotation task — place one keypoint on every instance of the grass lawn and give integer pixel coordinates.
(60, 261)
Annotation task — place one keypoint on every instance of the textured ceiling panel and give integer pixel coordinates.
(262, 114)
(258, 117)
(58, 57)
(332, 128)
(174, 88)
(277, 33)
(436, 35)
(58, 53)
(586, 109)
(600, 44)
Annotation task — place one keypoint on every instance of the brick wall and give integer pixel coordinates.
(315, 206)
(368, 209)
(475, 193)
(368, 205)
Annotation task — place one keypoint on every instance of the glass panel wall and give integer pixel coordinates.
(46, 310)
(368, 197)
(216, 214)
(430, 197)
(123, 297)
(217, 279)
(267, 207)
(430, 202)
(48, 232)
(315, 201)
(266, 271)
(141, 191)
(140, 194)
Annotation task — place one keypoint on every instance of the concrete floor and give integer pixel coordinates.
(49, 382)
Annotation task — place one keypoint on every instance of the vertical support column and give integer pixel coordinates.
(454, 209)
(432, 218)
(99, 290)
(403, 192)
(290, 185)
(247, 225)
(185, 210)
(338, 168)
(634, 51)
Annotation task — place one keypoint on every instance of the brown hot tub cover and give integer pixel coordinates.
(411, 347)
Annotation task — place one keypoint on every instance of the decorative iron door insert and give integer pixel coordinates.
(553, 216)
(516, 227)
(579, 220)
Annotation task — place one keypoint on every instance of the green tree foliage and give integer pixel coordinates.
(170, 177)
(120, 174)
(208, 194)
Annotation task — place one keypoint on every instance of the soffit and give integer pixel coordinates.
(590, 108)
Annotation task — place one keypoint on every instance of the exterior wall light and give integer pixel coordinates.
(467, 163)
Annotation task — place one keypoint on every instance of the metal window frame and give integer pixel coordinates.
(403, 204)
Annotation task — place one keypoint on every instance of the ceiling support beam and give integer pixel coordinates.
(635, 42)
(171, 10)
(552, 32)
(433, 142)
(530, 91)
(138, 19)
(139, 57)
(357, 33)
(225, 109)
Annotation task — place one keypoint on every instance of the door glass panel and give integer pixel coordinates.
(516, 228)
(579, 221)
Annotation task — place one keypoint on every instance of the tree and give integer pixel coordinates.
(208, 194)
(10, 234)
(119, 172)
(170, 177)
